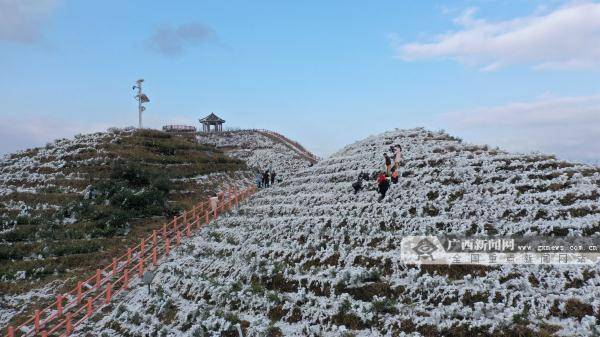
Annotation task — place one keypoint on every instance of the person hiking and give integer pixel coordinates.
(388, 164)
(258, 180)
(397, 156)
(382, 185)
(265, 179)
(273, 174)
(394, 174)
(357, 185)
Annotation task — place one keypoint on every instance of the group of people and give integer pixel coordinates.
(265, 179)
(383, 178)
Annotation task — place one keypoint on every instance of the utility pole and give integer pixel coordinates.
(141, 98)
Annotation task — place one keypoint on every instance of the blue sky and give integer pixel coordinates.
(326, 73)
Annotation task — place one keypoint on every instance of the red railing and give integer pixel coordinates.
(72, 308)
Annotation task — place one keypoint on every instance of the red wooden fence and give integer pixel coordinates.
(72, 308)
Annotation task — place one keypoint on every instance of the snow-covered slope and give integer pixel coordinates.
(261, 150)
(48, 237)
(308, 257)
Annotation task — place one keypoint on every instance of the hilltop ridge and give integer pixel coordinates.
(309, 257)
(261, 149)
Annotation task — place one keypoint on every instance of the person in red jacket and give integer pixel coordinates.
(382, 185)
(394, 175)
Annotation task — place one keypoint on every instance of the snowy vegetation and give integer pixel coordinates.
(308, 257)
(261, 150)
(75, 203)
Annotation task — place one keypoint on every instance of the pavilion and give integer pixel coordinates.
(212, 120)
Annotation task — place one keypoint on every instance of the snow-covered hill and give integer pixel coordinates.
(55, 223)
(308, 257)
(261, 150)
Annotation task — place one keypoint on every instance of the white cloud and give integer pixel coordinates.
(566, 37)
(19, 133)
(566, 126)
(22, 20)
(170, 41)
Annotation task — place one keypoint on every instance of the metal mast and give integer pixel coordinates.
(141, 98)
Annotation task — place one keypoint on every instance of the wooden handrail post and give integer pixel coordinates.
(11, 331)
(90, 308)
(187, 229)
(215, 212)
(108, 292)
(154, 255)
(198, 222)
(79, 284)
(154, 237)
(141, 268)
(98, 278)
(175, 222)
(59, 306)
(178, 238)
(36, 321)
(126, 278)
(44, 333)
(167, 246)
(128, 256)
(184, 217)
(69, 326)
(207, 220)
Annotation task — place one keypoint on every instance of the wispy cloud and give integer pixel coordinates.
(563, 38)
(565, 126)
(174, 41)
(21, 132)
(22, 20)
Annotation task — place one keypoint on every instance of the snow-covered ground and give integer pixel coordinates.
(308, 257)
(259, 151)
(35, 183)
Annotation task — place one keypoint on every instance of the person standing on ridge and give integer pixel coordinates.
(273, 174)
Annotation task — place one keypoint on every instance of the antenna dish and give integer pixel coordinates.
(143, 98)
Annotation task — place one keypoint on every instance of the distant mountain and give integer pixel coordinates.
(309, 257)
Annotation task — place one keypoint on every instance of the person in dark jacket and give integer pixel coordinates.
(357, 185)
(273, 174)
(265, 179)
(382, 185)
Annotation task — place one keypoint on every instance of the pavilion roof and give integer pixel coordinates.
(212, 118)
